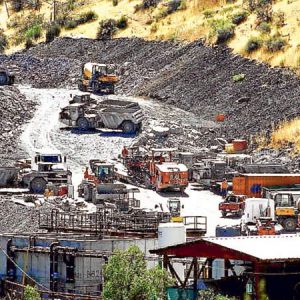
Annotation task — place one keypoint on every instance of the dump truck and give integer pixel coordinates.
(47, 167)
(233, 204)
(6, 78)
(97, 78)
(113, 114)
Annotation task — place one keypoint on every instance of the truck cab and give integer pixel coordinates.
(233, 204)
(47, 161)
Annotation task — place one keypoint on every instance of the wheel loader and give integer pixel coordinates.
(97, 78)
(113, 114)
(6, 78)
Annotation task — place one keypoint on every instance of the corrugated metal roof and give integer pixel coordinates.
(268, 247)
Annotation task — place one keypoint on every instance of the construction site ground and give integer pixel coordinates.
(44, 131)
(184, 86)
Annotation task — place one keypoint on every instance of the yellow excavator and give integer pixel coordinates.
(97, 78)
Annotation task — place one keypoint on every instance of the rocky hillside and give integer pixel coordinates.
(194, 77)
(265, 30)
(15, 110)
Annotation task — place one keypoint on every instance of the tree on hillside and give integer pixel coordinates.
(126, 277)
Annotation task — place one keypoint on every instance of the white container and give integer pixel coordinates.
(256, 208)
(170, 234)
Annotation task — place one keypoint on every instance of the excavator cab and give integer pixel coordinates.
(97, 78)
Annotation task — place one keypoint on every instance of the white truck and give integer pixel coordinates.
(89, 114)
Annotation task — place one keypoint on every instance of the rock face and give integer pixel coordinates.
(190, 76)
(15, 110)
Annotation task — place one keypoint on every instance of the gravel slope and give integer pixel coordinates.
(190, 76)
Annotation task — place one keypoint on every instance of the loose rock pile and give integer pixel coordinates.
(190, 76)
(15, 110)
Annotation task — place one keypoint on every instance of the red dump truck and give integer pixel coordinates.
(251, 184)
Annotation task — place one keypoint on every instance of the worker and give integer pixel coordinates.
(86, 173)
(102, 174)
(224, 188)
(124, 152)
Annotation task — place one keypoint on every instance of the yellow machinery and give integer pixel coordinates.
(97, 78)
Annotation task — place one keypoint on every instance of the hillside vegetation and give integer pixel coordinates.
(262, 29)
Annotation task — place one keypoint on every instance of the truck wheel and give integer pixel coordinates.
(3, 78)
(38, 185)
(290, 224)
(83, 123)
(128, 127)
(81, 87)
(240, 213)
(224, 213)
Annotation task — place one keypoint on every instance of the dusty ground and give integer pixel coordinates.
(44, 131)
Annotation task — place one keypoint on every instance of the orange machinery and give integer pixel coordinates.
(251, 184)
(165, 173)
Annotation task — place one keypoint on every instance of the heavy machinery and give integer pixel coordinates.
(165, 173)
(157, 170)
(287, 209)
(233, 204)
(113, 114)
(97, 78)
(6, 78)
(47, 167)
(100, 187)
(259, 217)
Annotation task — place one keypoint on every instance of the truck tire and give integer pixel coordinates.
(38, 185)
(128, 127)
(3, 78)
(83, 123)
(81, 87)
(290, 224)
(224, 213)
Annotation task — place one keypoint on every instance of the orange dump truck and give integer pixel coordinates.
(251, 184)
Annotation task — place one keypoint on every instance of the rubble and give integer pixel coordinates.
(17, 110)
(191, 76)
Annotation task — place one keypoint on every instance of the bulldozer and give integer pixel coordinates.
(6, 78)
(97, 78)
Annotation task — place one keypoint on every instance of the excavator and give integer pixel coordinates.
(97, 78)
(6, 78)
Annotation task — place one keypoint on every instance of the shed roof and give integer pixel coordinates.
(251, 248)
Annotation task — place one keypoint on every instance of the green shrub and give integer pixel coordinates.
(209, 13)
(122, 23)
(34, 32)
(115, 2)
(275, 44)
(71, 24)
(264, 27)
(52, 31)
(238, 77)
(239, 17)
(222, 29)
(107, 28)
(86, 17)
(31, 293)
(3, 41)
(254, 43)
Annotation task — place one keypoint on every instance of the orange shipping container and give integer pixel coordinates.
(251, 184)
